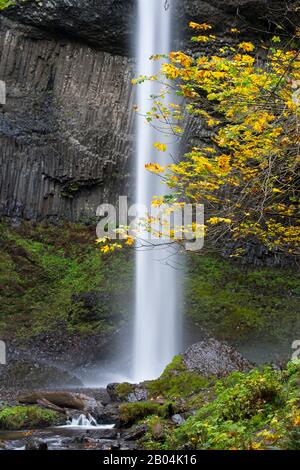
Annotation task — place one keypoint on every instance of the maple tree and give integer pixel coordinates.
(246, 172)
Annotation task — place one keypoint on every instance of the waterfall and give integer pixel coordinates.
(84, 421)
(157, 303)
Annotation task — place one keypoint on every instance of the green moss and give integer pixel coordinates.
(233, 302)
(177, 382)
(176, 366)
(130, 413)
(44, 271)
(28, 417)
(122, 390)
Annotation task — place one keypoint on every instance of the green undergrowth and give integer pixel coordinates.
(173, 392)
(255, 410)
(131, 413)
(234, 302)
(54, 277)
(177, 382)
(28, 417)
(123, 390)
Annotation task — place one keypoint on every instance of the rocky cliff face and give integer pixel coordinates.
(109, 24)
(66, 131)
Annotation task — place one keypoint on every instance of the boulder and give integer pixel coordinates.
(139, 394)
(213, 357)
(127, 392)
(135, 433)
(103, 433)
(110, 414)
(36, 445)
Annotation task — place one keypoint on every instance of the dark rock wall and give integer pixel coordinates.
(106, 24)
(66, 130)
(109, 24)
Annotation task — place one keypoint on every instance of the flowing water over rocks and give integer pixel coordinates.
(109, 418)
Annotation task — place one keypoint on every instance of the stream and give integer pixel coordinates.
(78, 434)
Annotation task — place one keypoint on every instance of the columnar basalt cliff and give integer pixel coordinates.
(66, 135)
(66, 131)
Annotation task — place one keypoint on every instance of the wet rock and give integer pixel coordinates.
(105, 24)
(177, 419)
(101, 395)
(99, 408)
(77, 401)
(213, 357)
(117, 445)
(104, 433)
(36, 445)
(127, 392)
(135, 433)
(139, 394)
(109, 415)
(112, 391)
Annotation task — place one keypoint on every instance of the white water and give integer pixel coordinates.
(157, 283)
(86, 422)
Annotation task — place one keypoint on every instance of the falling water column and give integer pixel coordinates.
(157, 283)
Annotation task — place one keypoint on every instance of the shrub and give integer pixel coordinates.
(28, 417)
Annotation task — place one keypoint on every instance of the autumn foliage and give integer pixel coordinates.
(246, 171)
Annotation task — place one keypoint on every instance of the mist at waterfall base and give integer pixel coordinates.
(152, 338)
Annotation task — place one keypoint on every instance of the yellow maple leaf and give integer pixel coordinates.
(203, 26)
(154, 168)
(102, 240)
(247, 46)
(130, 241)
(160, 147)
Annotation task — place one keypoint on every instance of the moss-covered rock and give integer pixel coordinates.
(237, 302)
(131, 413)
(29, 417)
(120, 392)
(177, 382)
